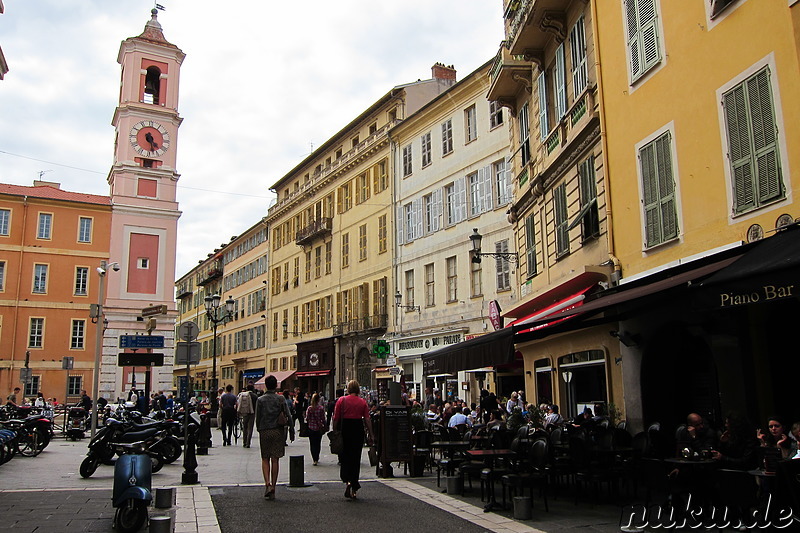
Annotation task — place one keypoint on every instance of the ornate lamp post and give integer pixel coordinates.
(217, 315)
(476, 238)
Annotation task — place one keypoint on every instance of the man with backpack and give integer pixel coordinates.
(246, 407)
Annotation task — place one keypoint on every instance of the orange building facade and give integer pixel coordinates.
(51, 241)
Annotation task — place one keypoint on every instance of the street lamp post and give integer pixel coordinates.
(217, 315)
(98, 318)
(476, 238)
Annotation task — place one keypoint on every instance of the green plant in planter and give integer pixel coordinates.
(417, 418)
(614, 414)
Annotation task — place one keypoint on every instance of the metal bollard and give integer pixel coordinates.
(296, 471)
(165, 498)
(523, 508)
(160, 524)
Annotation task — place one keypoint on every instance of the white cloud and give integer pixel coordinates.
(261, 82)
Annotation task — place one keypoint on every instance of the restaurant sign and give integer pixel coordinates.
(421, 346)
(765, 293)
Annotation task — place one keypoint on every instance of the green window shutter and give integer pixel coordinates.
(765, 138)
(560, 213)
(658, 188)
(648, 31)
(530, 244)
(544, 127)
(666, 186)
(735, 106)
(634, 48)
(652, 225)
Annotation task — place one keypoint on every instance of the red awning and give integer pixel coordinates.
(570, 302)
(280, 376)
(312, 373)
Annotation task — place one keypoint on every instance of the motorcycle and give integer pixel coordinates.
(76, 423)
(132, 486)
(108, 439)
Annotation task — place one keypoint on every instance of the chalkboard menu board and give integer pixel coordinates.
(395, 433)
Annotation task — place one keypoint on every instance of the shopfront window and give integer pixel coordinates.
(544, 381)
(583, 378)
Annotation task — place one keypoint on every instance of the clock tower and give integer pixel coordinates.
(145, 214)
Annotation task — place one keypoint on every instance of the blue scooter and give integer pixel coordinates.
(132, 487)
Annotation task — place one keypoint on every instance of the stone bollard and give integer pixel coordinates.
(165, 498)
(455, 485)
(160, 524)
(523, 508)
(296, 471)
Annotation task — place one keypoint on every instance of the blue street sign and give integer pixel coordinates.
(141, 341)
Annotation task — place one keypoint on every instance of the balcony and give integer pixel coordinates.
(182, 291)
(508, 75)
(209, 274)
(316, 229)
(361, 325)
(532, 23)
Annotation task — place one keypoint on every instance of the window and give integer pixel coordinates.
(658, 191)
(456, 197)
(753, 143)
(452, 279)
(380, 177)
(643, 45)
(530, 244)
(84, 229)
(45, 226)
(717, 6)
(470, 124)
(502, 183)
(447, 136)
(39, 279)
(495, 114)
(318, 262)
(286, 321)
(5, 220)
(409, 297)
(430, 286)
(81, 281)
(475, 276)
(284, 363)
(143, 263)
(2, 276)
(275, 326)
(362, 242)
(362, 193)
(78, 333)
(524, 135)
(308, 267)
(345, 197)
(74, 385)
(560, 215)
(588, 216)
(345, 250)
(502, 267)
(544, 125)
(432, 204)
(32, 387)
(412, 217)
(560, 83)
(273, 365)
(382, 234)
(426, 149)
(328, 256)
(36, 333)
(577, 47)
(480, 191)
(408, 166)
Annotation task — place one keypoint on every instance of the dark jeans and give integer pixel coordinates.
(350, 458)
(228, 420)
(315, 441)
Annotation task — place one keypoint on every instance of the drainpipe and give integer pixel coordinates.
(616, 275)
(19, 285)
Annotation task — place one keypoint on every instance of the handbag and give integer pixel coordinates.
(282, 420)
(373, 456)
(337, 442)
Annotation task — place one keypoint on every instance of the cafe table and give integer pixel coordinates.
(489, 457)
(449, 447)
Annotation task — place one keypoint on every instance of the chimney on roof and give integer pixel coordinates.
(440, 71)
(42, 183)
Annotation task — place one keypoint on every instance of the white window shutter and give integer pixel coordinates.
(418, 218)
(436, 208)
(487, 188)
(461, 199)
(559, 83)
(544, 127)
(400, 234)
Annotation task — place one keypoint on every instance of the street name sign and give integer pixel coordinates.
(141, 341)
(154, 310)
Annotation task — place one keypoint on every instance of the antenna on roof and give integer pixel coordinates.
(42, 173)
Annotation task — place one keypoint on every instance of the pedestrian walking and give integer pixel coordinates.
(350, 416)
(315, 418)
(11, 399)
(227, 408)
(246, 407)
(271, 433)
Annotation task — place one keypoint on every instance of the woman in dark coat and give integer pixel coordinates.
(351, 415)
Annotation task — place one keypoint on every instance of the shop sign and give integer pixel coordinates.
(418, 346)
(494, 315)
(764, 293)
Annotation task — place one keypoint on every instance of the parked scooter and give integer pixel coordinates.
(132, 486)
(109, 438)
(76, 423)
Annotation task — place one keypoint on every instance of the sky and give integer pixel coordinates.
(263, 83)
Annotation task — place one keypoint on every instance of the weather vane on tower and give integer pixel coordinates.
(158, 6)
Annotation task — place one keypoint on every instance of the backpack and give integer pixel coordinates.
(245, 406)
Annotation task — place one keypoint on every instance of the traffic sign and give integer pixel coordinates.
(395, 371)
(187, 353)
(188, 331)
(140, 359)
(391, 360)
(154, 310)
(141, 341)
(25, 375)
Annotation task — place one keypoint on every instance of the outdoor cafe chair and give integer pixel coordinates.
(531, 472)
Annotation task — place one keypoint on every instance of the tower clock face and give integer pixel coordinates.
(149, 138)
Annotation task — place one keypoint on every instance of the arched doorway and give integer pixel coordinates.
(678, 377)
(364, 365)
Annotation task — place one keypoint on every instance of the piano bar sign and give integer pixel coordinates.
(763, 294)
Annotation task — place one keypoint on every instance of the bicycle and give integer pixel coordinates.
(237, 429)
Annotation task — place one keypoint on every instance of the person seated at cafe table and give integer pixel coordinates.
(553, 419)
(460, 418)
(495, 419)
(776, 436)
(737, 447)
(433, 416)
(695, 435)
